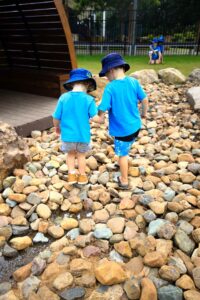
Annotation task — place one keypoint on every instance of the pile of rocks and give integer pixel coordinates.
(111, 244)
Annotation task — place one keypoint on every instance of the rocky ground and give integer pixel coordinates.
(110, 244)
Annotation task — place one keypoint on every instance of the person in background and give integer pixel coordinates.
(154, 53)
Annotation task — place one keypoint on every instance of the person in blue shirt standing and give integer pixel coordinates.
(155, 52)
(71, 119)
(120, 98)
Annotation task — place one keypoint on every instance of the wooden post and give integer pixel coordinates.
(67, 31)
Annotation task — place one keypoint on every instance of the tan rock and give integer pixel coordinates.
(9, 296)
(46, 294)
(69, 223)
(192, 295)
(109, 273)
(52, 271)
(104, 197)
(135, 265)
(59, 244)
(187, 177)
(123, 248)
(148, 290)
(127, 203)
(186, 157)
(17, 197)
(158, 207)
(101, 216)
(22, 273)
(43, 211)
(185, 282)
(21, 243)
(116, 224)
(164, 247)
(4, 209)
(63, 281)
(169, 273)
(154, 259)
(134, 171)
(56, 231)
(79, 265)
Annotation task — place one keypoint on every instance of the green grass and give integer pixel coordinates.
(183, 63)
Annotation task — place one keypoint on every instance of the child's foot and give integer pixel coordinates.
(82, 179)
(123, 186)
(72, 178)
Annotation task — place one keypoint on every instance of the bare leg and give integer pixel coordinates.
(71, 161)
(81, 163)
(123, 163)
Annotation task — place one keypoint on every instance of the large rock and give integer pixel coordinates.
(109, 273)
(195, 75)
(193, 96)
(145, 76)
(14, 152)
(171, 76)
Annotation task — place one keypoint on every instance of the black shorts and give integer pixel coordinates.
(128, 138)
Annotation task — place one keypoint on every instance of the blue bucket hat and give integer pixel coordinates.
(112, 60)
(80, 75)
(155, 40)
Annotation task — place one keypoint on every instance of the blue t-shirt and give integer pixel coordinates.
(121, 98)
(155, 54)
(74, 109)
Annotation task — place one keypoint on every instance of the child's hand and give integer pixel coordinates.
(57, 130)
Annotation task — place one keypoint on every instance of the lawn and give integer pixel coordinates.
(183, 63)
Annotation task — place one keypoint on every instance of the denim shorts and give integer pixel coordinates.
(122, 148)
(79, 147)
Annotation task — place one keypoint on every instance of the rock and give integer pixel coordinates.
(110, 273)
(169, 273)
(45, 293)
(135, 265)
(78, 266)
(167, 231)
(33, 199)
(116, 224)
(22, 273)
(193, 97)
(154, 226)
(9, 296)
(29, 285)
(101, 216)
(86, 225)
(87, 280)
(115, 256)
(154, 259)
(170, 292)
(185, 283)
(92, 163)
(38, 266)
(14, 151)
(171, 76)
(145, 76)
(123, 248)
(56, 231)
(69, 223)
(43, 211)
(40, 238)
(132, 288)
(148, 290)
(196, 276)
(102, 233)
(91, 251)
(20, 230)
(158, 207)
(191, 295)
(9, 251)
(73, 293)
(63, 281)
(56, 197)
(5, 287)
(195, 75)
(6, 231)
(178, 263)
(187, 177)
(103, 178)
(21, 243)
(184, 242)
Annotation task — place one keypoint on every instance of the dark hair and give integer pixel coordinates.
(120, 67)
(84, 82)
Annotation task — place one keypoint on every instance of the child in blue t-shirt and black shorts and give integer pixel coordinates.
(120, 99)
(72, 119)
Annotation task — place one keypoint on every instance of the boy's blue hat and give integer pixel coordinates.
(161, 38)
(80, 75)
(155, 40)
(112, 60)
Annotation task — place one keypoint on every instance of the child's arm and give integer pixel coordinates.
(56, 124)
(98, 119)
(145, 104)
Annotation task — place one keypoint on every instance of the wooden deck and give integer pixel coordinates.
(26, 112)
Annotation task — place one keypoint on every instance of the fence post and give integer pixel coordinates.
(135, 6)
(198, 40)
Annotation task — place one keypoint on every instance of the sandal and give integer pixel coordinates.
(122, 185)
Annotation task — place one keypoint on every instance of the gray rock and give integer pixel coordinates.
(8, 181)
(7, 192)
(158, 282)
(169, 194)
(5, 287)
(38, 266)
(9, 251)
(26, 179)
(29, 285)
(73, 293)
(32, 168)
(146, 76)
(11, 203)
(103, 178)
(73, 233)
(20, 230)
(154, 226)
(149, 216)
(145, 199)
(196, 152)
(194, 168)
(62, 259)
(33, 217)
(40, 238)
(183, 241)
(30, 213)
(102, 233)
(185, 226)
(170, 292)
(33, 199)
(196, 276)
(178, 263)
(193, 96)
(115, 256)
(195, 75)
(171, 76)
(116, 238)
(6, 231)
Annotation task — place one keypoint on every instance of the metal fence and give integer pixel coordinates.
(129, 33)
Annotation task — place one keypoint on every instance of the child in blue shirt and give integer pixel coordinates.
(120, 99)
(155, 52)
(72, 119)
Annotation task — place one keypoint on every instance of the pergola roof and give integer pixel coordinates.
(35, 34)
